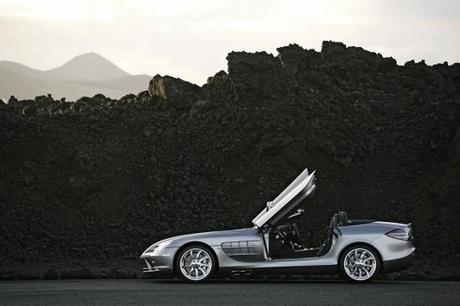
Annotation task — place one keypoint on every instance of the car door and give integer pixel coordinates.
(300, 188)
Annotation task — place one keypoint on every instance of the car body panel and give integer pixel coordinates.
(216, 238)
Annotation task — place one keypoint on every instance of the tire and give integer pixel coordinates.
(359, 263)
(195, 263)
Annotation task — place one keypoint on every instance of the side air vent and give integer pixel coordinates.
(243, 250)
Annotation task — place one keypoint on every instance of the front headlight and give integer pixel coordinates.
(156, 247)
(401, 234)
(151, 248)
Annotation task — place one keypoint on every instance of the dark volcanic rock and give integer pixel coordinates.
(44, 99)
(259, 78)
(12, 100)
(179, 93)
(143, 97)
(90, 184)
(297, 60)
(219, 88)
(201, 106)
(129, 98)
(100, 98)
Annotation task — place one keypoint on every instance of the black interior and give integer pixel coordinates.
(285, 239)
(343, 217)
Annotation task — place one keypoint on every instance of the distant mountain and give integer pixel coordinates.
(89, 66)
(6, 66)
(84, 75)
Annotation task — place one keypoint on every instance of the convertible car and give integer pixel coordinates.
(357, 249)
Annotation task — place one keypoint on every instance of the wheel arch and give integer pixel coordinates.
(195, 243)
(342, 252)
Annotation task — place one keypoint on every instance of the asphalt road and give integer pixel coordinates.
(161, 292)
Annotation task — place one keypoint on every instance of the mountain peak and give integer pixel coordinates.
(89, 56)
(89, 66)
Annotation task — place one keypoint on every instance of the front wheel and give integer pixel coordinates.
(195, 263)
(359, 263)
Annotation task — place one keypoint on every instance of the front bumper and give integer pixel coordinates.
(159, 262)
(150, 266)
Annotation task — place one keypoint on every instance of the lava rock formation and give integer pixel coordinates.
(86, 186)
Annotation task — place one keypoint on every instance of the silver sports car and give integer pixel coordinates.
(357, 249)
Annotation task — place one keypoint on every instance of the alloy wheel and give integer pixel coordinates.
(360, 264)
(195, 264)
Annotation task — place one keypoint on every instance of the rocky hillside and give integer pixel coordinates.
(86, 186)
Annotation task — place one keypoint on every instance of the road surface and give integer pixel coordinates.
(163, 292)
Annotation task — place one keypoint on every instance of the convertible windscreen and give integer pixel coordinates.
(303, 185)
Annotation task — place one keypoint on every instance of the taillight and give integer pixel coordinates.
(401, 234)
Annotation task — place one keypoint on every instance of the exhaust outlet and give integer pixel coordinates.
(241, 273)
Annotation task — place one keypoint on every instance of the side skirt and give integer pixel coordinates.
(332, 269)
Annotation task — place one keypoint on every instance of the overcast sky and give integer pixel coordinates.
(190, 39)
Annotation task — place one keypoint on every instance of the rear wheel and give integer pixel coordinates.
(359, 263)
(195, 263)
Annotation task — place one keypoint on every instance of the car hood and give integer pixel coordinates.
(298, 190)
(222, 236)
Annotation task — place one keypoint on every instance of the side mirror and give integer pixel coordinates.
(299, 212)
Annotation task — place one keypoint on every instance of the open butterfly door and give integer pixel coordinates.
(298, 190)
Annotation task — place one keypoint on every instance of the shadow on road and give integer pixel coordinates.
(277, 281)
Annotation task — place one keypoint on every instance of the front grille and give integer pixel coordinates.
(149, 263)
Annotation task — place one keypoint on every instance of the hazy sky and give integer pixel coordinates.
(190, 39)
